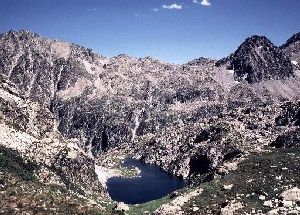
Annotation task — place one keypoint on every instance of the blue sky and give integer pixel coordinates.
(170, 30)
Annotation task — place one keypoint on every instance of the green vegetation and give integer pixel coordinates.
(34, 197)
(148, 207)
(11, 162)
(266, 174)
(127, 172)
(66, 181)
(20, 191)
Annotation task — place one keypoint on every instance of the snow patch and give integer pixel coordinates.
(294, 62)
(228, 187)
(138, 171)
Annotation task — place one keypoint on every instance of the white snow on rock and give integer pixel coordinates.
(294, 62)
(268, 203)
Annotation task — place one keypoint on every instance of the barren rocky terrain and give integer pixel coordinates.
(69, 116)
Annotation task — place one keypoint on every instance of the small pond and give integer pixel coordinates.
(152, 183)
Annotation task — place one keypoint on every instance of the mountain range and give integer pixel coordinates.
(67, 112)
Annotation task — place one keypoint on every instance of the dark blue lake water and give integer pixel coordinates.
(153, 183)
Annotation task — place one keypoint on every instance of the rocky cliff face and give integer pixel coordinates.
(291, 48)
(193, 119)
(258, 59)
(29, 128)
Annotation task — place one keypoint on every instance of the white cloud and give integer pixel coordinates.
(172, 7)
(203, 2)
(155, 9)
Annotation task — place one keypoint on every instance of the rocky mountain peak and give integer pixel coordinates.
(256, 41)
(201, 61)
(258, 59)
(292, 49)
(21, 34)
(294, 39)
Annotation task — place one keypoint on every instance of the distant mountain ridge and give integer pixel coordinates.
(292, 49)
(258, 59)
(63, 77)
(294, 39)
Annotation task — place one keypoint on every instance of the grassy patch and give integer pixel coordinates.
(266, 174)
(127, 172)
(33, 197)
(12, 162)
(148, 206)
